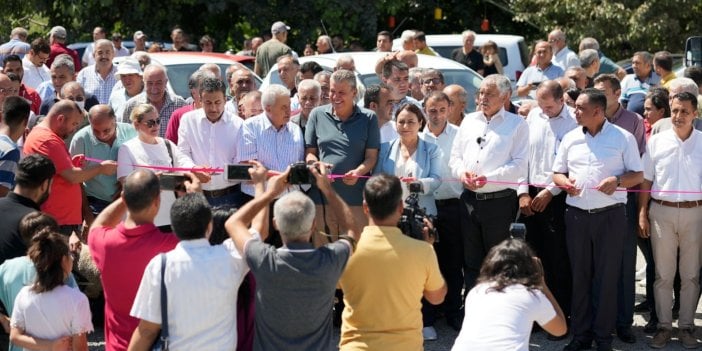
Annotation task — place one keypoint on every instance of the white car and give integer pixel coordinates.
(513, 51)
(454, 72)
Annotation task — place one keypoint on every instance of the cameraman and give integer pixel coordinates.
(383, 309)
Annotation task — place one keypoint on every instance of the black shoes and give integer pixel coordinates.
(651, 327)
(642, 307)
(455, 322)
(626, 335)
(577, 345)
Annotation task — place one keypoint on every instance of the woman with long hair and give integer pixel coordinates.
(510, 295)
(48, 315)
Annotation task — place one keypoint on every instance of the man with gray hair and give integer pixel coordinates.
(563, 57)
(467, 55)
(345, 62)
(579, 77)
(309, 93)
(607, 66)
(57, 40)
(489, 156)
(324, 45)
(323, 79)
(407, 38)
(250, 105)
(271, 138)
(294, 292)
(17, 45)
(590, 62)
(636, 85)
(415, 83)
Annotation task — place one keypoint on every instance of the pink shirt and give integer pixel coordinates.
(121, 255)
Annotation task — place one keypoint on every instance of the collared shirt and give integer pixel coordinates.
(449, 189)
(231, 106)
(14, 47)
(171, 103)
(497, 149)
(210, 144)
(9, 157)
(118, 99)
(46, 91)
(634, 90)
(545, 135)
(275, 149)
(665, 81)
(388, 132)
(534, 74)
(674, 165)
(84, 142)
(590, 159)
(60, 48)
(174, 122)
(202, 282)
(93, 83)
(405, 100)
(33, 75)
(566, 58)
(31, 95)
(632, 123)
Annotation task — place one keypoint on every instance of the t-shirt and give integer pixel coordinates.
(9, 157)
(474, 59)
(343, 144)
(121, 254)
(13, 208)
(383, 284)
(295, 287)
(268, 53)
(52, 314)
(65, 199)
(502, 320)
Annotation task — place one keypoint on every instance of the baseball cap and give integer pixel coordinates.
(279, 27)
(139, 34)
(58, 32)
(128, 66)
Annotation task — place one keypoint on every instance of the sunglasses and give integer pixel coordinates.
(151, 123)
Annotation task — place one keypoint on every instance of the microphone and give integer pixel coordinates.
(479, 140)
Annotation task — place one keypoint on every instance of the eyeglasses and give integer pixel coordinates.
(436, 81)
(151, 123)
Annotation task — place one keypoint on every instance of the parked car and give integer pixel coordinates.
(80, 46)
(454, 72)
(677, 64)
(181, 65)
(513, 51)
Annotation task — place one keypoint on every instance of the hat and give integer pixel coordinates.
(139, 34)
(128, 66)
(279, 27)
(116, 36)
(58, 32)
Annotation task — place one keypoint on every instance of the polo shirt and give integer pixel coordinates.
(534, 74)
(634, 91)
(672, 164)
(9, 157)
(64, 202)
(121, 254)
(383, 309)
(31, 95)
(84, 142)
(474, 59)
(13, 207)
(58, 49)
(632, 123)
(268, 53)
(590, 159)
(344, 145)
(607, 66)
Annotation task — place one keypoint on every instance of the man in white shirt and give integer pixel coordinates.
(202, 282)
(563, 57)
(99, 79)
(378, 98)
(208, 136)
(88, 58)
(309, 93)
(673, 163)
(542, 203)
(594, 215)
(241, 81)
(489, 156)
(34, 64)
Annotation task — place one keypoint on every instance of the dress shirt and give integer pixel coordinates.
(566, 58)
(93, 83)
(534, 74)
(545, 135)
(232, 107)
(590, 159)
(33, 75)
(673, 164)
(449, 188)
(388, 132)
(275, 149)
(210, 144)
(496, 149)
(171, 103)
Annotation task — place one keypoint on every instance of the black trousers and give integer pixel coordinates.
(595, 243)
(546, 235)
(449, 252)
(484, 225)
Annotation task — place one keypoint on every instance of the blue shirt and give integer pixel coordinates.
(93, 83)
(14, 47)
(84, 142)
(9, 157)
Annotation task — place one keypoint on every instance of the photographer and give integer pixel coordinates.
(383, 309)
(295, 284)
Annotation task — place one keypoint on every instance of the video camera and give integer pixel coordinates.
(412, 220)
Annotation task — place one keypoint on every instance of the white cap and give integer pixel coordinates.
(279, 27)
(58, 32)
(128, 66)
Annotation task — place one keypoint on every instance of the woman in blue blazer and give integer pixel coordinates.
(411, 157)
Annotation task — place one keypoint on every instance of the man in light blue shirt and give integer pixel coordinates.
(101, 139)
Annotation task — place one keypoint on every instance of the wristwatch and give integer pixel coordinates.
(619, 180)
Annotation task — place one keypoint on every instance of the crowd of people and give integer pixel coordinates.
(593, 161)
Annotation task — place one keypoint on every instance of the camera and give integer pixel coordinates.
(238, 172)
(300, 174)
(172, 181)
(412, 220)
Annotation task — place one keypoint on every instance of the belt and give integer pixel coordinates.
(447, 202)
(221, 192)
(490, 196)
(599, 210)
(681, 204)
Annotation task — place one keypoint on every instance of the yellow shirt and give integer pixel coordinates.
(383, 285)
(426, 51)
(665, 81)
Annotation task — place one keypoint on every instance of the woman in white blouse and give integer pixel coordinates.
(49, 315)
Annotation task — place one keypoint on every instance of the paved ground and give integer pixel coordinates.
(538, 340)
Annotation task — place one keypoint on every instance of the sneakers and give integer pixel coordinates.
(660, 340)
(687, 339)
(429, 333)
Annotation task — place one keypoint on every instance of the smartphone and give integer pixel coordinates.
(238, 172)
(172, 181)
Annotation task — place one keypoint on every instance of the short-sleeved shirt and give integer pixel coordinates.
(121, 254)
(14, 47)
(9, 157)
(474, 59)
(84, 142)
(60, 48)
(534, 74)
(632, 123)
(343, 144)
(634, 90)
(174, 122)
(92, 81)
(172, 102)
(673, 164)
(268, 53)
(64, 202)
(383, 285)
(607, 66)
(13, 207)
(295, 287)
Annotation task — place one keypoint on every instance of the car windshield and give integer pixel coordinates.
(179, 74)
